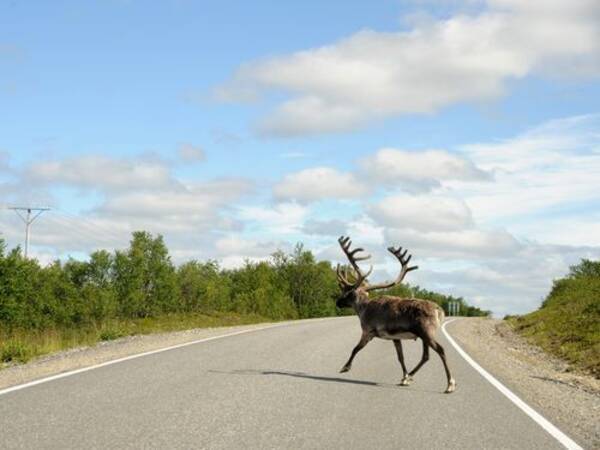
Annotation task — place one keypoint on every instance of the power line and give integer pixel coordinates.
(27, 219)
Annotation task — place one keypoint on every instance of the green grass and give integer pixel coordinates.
(15, 350)
(568, 323)
(22, 345)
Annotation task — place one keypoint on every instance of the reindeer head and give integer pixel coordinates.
(353, 282)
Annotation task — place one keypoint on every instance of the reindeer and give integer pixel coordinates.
(388, 317)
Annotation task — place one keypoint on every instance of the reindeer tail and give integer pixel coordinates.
(440, 315)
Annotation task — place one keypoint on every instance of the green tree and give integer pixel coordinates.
(203, 287)
(145, 279)
(18, 305)
(586, 268)
(257, 289)
(311, 285)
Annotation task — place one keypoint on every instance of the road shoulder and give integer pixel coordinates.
(103, 352)
(571, 401)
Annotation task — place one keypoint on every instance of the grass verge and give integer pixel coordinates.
(568, 323)
(19, 346)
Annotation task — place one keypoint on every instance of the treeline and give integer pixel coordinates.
(142, 281)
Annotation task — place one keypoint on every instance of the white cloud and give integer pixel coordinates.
(509, 285)
(282, 218)
(549, 169)
(315, 184)
(422, 213)
(188, 200)
(468, 244)
(121, 195)
(234, 250)
(545, 190)
(419, 170)
(102, 172)
(463, 58)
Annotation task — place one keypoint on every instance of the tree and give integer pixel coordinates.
(257, 289)
(586, 268)
(203, 287)
(311, 285)
(145, 279)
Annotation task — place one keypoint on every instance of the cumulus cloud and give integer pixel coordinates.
(317, 183)
(122, 195)
(422, 213)
(518, 231)
(419, 170)
(283, 218)
(234, 250)
(509, 285)
(545, 170)
(102, 172)
(469, 244)
(438, 62)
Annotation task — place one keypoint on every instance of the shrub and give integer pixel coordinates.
(15, 350)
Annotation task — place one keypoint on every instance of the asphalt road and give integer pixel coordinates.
(275, 388)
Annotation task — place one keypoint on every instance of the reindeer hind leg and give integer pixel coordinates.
(424, 358)
(440, 351)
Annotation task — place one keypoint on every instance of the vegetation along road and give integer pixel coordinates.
(277, 387)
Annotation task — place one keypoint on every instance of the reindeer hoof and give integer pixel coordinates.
(344, 369)
(451, 387)
(406, 380)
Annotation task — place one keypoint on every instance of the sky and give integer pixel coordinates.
(466, 131)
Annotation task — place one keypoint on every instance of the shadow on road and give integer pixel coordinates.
(304, 375)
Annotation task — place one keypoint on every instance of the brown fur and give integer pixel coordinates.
(416, 316)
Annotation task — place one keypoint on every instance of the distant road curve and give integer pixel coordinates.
(274, 387)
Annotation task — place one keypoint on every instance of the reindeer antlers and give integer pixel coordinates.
(398, 253)
(345, 243)
(401, 256)
(343, 276)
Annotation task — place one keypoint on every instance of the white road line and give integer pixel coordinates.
(537, 417)
(127, 358)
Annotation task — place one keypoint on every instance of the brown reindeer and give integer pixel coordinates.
(389, 317)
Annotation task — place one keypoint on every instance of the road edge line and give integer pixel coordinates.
(69, 373)
(532, 413)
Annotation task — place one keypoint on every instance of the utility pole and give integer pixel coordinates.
(25, 214)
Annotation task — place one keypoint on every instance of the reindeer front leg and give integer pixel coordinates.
(398, 345)
(364, 340)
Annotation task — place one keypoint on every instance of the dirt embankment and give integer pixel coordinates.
(569, 400)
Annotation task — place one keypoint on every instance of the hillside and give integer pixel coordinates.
(568, 322)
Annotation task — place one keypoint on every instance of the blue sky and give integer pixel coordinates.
(467, 131)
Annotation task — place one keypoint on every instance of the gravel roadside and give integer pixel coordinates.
(569, 400)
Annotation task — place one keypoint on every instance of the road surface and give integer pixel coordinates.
(274, 388)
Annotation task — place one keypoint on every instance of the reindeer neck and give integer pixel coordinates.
(362, 298)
